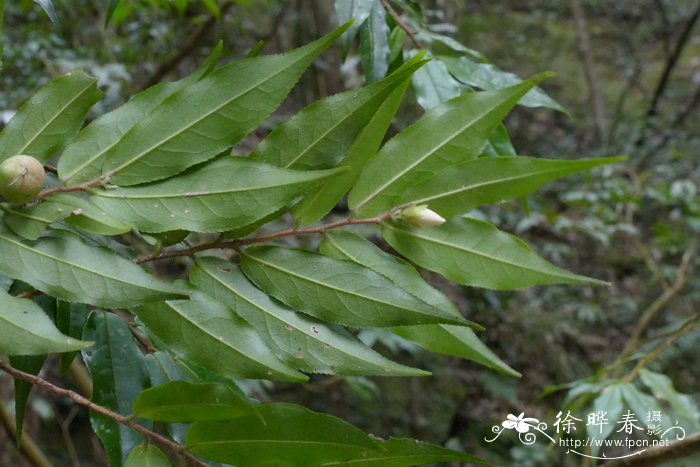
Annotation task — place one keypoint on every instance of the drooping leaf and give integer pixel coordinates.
(640, 404)
(374, 44)
(82, 158)
(226, 194)
(431, 37)
(461, 188)
(50, 117)
(113, 4)
(404, 452)
(25, 329)
(458, 341)
(204, 119)
(684, 407)
(433, 85)
(47, 6)
(119, 374)
(356, 10)
(320, 135)
(84, 215)
(489, 77)
(299, 341)
(31, 364)
(66, 268)
(320, 201)
(70, 320)
(448, 134)
(475, 253)
(336, 291)
(291, 435)
(146, 455)
(31, 221)
(209, 334)
(612, 403)
(180, 401)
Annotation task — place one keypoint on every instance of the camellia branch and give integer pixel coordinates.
(232, 244)
(79, 187)
(80, 400)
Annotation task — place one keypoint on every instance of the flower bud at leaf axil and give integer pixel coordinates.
(21, 179)
(419, 216)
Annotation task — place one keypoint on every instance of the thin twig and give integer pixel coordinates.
(233, 244)
(660, 454)
(682, 277)
(80, 400)
(400, 23)
(78, 187)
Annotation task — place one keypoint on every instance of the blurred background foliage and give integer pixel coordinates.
(628, 75)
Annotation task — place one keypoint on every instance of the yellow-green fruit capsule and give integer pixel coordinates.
(21, 179)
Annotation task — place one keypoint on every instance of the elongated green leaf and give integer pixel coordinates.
(292, 435)
(180, 401)
(82, 158)
(118, 374)
(476, 253)
(85, 215)
(31, 221)
(374, 44)
(404, 452)
(640, 404)
(113, 4)
(66, 268)
(209, 334)
(451, 133)
(320, 201)
(208, 117)
(462, 188)
(146, 455)
(26, 330)
(433, 85)
(336, 291)
(684, 407)
(611, 402)
(320, 135)
(299, 341)
(47, 6)
(356, 10)
(31, 364)
(458, 341)
(430, 37)
(227, 194)
(70, 320)
(489, 77)
(45, 122)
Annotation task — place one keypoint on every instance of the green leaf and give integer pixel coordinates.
(640, 404)
(336, 291)
(475, 253)
(320, 201)
(31, 364)
(397, 38)
(31, 221)
(119, 374)
(457, 341)
(447, 339)
(25, 329)
(299, 341)
(433, 85)
(213, 8)
(225, 194)
(356, 10)
(82, 159)
(64, 267)
(113, 4)
(683, 406)
(452, 133)
(374, 44)
(70, 320)
(489, 77)
(47, 6)
(404, 452)
(84, 215)
(180, 401)
(209, 334)
(611, 402)
(430, 37)
(461, 188)
(292, 435)
(230, 103)
(146, 455)
(50, 117)
(320, 135)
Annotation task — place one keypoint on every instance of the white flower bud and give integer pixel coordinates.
(419, 216)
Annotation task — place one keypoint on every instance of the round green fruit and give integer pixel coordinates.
(21, 179)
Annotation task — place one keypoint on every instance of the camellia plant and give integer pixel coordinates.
(156, 179)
